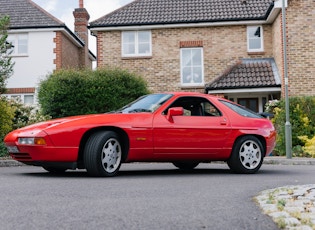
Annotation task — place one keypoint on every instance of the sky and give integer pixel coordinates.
(63, 10)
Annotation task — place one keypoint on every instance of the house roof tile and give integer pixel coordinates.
(248, 73)
(150, 12)
(27, 14)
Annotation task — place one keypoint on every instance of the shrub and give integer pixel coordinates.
(25, 114)
(20, 115)
(6, 116)
(302, 119)
(70, 92)
(309, 147)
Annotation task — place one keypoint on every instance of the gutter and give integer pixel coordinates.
(245, 90)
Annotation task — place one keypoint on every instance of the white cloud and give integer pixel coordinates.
(101, 8)
(51, 5)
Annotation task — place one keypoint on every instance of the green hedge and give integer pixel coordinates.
(302, 119)
(71, 92)
(6, 117)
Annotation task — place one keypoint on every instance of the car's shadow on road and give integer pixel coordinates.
(156, 172)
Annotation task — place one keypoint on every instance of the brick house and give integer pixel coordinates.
(42, 44)
(223, 47)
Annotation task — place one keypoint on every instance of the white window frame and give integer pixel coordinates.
(252, 38)
(182, 66)
(136, 44)
(16, 43)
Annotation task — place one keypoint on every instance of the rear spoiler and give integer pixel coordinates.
(266, 115)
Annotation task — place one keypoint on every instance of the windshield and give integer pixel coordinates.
(241, 110)
(148, 103)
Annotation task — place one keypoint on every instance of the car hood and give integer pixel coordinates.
(84, 121)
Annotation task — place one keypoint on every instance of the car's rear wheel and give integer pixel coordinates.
(103, 154)
(247, 155)
(185, 165)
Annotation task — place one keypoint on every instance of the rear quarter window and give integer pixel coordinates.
(241, 110)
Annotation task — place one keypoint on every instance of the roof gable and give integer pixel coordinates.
(27, 14)
(152, 12)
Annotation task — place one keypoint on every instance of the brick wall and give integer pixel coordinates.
(67, 54)
(301, 47)
(223, 47)
(278, 47)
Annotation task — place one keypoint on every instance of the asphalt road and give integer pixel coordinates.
(143, 196)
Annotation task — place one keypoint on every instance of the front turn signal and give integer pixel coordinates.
(39, 141)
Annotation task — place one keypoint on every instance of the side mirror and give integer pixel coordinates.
(175, 111)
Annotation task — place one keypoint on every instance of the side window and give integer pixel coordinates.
(196, 106)
(19, 44)
(255, 39)
(210, 110)
(136, 43)
(191, 66)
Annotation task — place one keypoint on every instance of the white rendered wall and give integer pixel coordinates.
(28, 70)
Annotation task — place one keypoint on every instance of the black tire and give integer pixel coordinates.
(247, 155)
(186, 165)
(55, 170)
(103, 154)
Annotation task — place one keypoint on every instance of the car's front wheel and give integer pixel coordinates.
(103, 154)
(247, 155)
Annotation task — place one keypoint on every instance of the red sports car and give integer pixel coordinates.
(182, 128)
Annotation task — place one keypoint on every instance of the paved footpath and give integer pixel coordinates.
(291, 207)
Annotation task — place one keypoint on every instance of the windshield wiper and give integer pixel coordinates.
(139, 110)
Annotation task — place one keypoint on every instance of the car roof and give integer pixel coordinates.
(179, 93)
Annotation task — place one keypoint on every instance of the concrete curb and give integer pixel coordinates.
(270, 160)
(286, 161)
(10, 163)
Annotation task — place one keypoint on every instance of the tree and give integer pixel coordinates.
(6, 65)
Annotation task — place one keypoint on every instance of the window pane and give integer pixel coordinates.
(29, 99)
(22, 44)
(254, 44)
(129, 37)
(144, 36)
(129, 48)
(186, 57)
(11, 45)
(196, 57)
(187, 75)
(197, 72)
(254, 32)
(144, 48)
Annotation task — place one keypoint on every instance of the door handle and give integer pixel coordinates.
(223, 122)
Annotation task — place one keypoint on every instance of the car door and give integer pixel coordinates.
(199, 132)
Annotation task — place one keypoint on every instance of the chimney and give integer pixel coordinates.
(81, 21)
